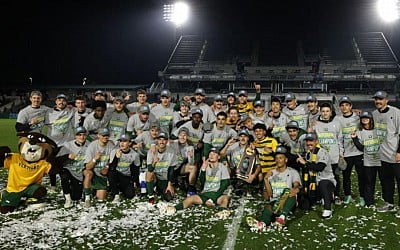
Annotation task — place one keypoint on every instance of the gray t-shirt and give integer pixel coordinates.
(117, 125)
(371, 143)
(60, 127)
(279, 125)
(330, 137)
(26, 114)
(349, 125)
(165, 160)
(77, 165)
(101, 163)
(92, 125)
(125, 161)
(299, 114)
(214, 176)
(387, 127)
(164, 115)
(280, 181)
(218, 137)
(323, 157)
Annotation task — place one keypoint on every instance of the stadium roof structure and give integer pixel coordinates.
(361, 62)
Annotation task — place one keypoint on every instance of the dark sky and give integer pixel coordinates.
(58, 42)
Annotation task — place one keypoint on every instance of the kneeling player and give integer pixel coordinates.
(281, 187)
(214, 176)
(123, 169)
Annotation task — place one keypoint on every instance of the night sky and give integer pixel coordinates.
(59, 42)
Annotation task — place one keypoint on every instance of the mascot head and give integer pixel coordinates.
(35, 146)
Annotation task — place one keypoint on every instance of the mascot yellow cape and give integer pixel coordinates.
(26, 169)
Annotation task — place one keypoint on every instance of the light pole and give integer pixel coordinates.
(177, 13)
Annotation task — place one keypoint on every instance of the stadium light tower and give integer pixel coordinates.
(176, 13)
(388, 10)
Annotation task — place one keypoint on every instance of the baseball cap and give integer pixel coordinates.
(231, 94)
(258, 103)
(311, 136)
(165, 92)
(366, 114)
(196, 111)
(280, 150)
(119, 98)
(213, 149)
(184, 129)
(99, 92)
(380, 94)
(162, 135)
(218, 98)
(103, 131)
(244, 132)
(242, 92)
(155, 125)
(124, 137)
(292, 124)
(61, 96)
(345, 99)
(200, 91)
(144, 109)
(289, 97)
(80, 130)
(311, 98)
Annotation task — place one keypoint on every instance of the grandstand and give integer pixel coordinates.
(356, 64)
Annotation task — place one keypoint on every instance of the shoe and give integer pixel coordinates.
(223, 214)
(387, 207)
(152, 199)
(117, 199)
(68, 203)
(167, 210)
(327, 214)
(255, 225)
(398, 214)
(280, 221)
(87, 204)
(347, 199)
(338, 201)
(361, 203)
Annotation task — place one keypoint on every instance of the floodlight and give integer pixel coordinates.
(388, 10)
(177, 13)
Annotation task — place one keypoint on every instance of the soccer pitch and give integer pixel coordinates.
(133, 224)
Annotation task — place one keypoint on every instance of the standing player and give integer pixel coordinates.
(387, 124)
(31, 118)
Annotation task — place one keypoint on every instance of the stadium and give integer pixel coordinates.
(332, 65)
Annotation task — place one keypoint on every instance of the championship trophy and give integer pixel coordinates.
(246, 164)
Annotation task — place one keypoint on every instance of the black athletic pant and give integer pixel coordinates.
(70, 185)
(388, 173)
(121, 183)
(369, 184)
(325, 190)
(356, 161)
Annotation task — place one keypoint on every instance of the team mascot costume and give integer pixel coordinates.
(26, 169)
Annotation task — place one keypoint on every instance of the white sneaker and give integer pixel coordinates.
(68, 203)
(387, 207)
(117, 199)
(398, 214)
(327, 214)
(87, 204)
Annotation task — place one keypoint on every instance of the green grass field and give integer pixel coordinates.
(132, 224)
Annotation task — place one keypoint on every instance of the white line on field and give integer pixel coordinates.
(232, 234)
